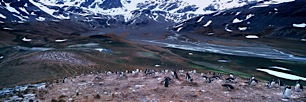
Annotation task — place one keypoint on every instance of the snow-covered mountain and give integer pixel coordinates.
(265, 19)
(119, 10)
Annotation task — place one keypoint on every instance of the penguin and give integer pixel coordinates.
(220, 75)
(194, 71)
(251, 78)
(137, 71)
(98, 78)
(181, 71)
(109, 72)
(232, 76)
(271, 83)
(167, 81)
(287, 92)
(216, 77)
(174, 74)
(207, 79)
(77, 92)
(150, 72)
(279, 82)
(188, 77)
(253, 82)
(228, 86)
(156, 74)
(230, 80)
(146, 71)
(166, 71)
(298, 87)
(122, 75)
(65, 80)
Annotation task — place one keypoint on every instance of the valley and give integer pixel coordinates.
(43, 58)
(43, 42)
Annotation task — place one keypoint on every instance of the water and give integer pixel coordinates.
(264, 52)
(263, 62)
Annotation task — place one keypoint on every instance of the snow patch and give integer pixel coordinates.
(237, 13)
(24, 10)
(282, 75)
(281, 68)
(257, 6)
(61, 40)
(41, 19)
(249, 16)
(2, 16)
(26, 40)
(226, 29)
(156, 65)
(242, 28)
(47, 10)
(11, 9)
(236, 20)
(224, 61)
(103, 50)
(302, 25)
(210, 33)
(251, 37)
(178, 30)
(207, 23)
(6, 28)
(200, 19)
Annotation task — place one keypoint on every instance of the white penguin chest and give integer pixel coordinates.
(253, 83)
(297, 87)
(287, 92)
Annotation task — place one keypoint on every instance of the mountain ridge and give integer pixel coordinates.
(172, 10)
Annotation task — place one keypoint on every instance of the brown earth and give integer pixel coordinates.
(139, 87)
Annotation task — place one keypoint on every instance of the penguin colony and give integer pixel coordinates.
(170, 78)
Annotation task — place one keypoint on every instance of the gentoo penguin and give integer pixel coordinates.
(174, 74)
(298, 87)
(220, 75)
(181, 71)
(146, 71)
(228, 86)
(232, 76)
(108, 72)
(253, 82)
(230, 80)
(271, 83)
(279, 82)
(188, 77)
(65, 80)
(251, 78)
(167, 81)
(216, 77)
(122, 75)
(287, 92)
(206, 79)
(194, 71)
(166, 71)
